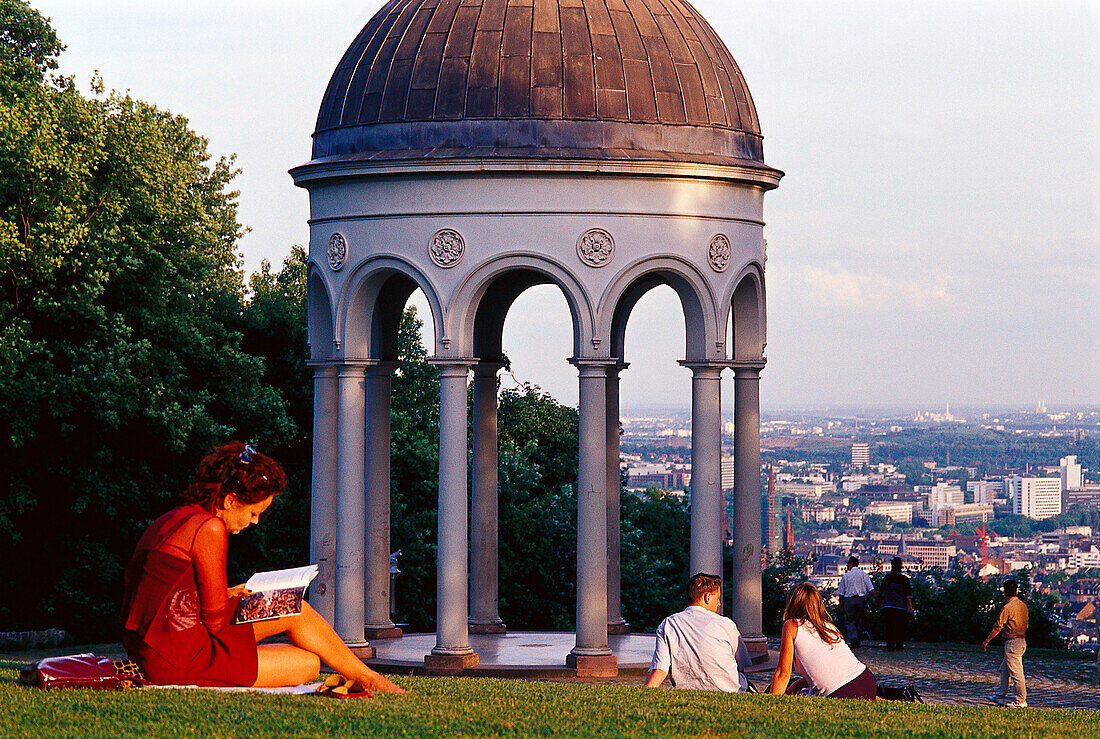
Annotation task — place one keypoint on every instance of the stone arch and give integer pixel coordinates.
(696, 299)
(746, 306)
(372, 303)
(481, 303)
(319, 316)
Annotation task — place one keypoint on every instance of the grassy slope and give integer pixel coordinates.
(481, 707)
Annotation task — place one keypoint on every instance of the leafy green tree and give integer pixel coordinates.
(119, 284)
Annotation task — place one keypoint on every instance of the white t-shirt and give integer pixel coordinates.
(825, 666)
(701, 650)
(854, 582)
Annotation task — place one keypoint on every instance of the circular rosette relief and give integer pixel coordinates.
(337, 251)
(596, 247)
(446, 248)
(719, 253)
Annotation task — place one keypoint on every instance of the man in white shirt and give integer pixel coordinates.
(853, 590)
(696, 647)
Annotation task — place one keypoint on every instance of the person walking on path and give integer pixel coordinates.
(853, 590)
(896, 601)
(697, 647)
(1012, 624)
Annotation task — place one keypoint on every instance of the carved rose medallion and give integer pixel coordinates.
(719, 253)
(337, 251)
(446, 248)
(595, 247)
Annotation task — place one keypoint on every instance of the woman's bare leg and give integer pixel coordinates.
(311, 633)
(280, 665)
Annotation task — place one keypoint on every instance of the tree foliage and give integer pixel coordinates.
(119, 363)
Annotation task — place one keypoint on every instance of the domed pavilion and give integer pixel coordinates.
(473, 149)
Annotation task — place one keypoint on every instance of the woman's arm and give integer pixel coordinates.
(786, 659)
(208, 558)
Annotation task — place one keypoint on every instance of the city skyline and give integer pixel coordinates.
(936, 238)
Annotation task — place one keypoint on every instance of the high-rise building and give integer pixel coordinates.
(1070, 472)
(727, 472)
(773, 533)
(1035, 497)
(944, 494)
(861, 454)
(983, 491)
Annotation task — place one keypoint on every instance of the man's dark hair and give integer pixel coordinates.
(701, 584)
(1011, 588)
(853, 561)
(895, 564)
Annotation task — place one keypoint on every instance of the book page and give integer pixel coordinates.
(296, 577)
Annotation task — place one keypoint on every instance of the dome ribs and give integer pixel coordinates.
(450, 99)
(429, 60)
(669, 99)
(481, 95)
(514, 95)
(614, 79)
(640, 96)
(580, 75)
(371, 108)
(546, 61)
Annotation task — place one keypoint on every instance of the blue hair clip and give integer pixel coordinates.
(246, 456)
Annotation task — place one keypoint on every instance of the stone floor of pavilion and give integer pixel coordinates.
(942, 674)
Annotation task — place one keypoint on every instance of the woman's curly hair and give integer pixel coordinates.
(238, 469)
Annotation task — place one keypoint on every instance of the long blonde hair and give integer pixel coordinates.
(804, 604)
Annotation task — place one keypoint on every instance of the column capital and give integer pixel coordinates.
(377, 367)
(452, 366)
(704, 368)
(746, 366)
(324, 368)
(490, 367)
(594, 366)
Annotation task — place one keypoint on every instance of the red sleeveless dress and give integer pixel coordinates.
(176, 614)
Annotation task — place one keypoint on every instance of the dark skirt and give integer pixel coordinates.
(864, 687)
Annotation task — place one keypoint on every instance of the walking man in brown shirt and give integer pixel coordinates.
(1012, 624)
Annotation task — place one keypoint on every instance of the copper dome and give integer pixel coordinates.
(589, 79)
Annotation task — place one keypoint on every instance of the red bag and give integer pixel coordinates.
(71, 671)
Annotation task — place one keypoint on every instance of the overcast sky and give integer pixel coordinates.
(936, 238)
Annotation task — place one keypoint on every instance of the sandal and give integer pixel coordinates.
(336, 686)
(330, 682)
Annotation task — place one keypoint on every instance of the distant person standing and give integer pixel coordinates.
(896, 601)
(1012, 625)
(853, 590)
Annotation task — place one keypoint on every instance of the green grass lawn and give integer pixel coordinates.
(455, 707)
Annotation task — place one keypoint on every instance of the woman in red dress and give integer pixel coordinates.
(177, 608)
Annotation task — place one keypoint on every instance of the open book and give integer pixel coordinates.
(274, 594)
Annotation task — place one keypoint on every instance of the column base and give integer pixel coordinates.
(618, 629)
(384, 632)
(599, 665)
(362, 651)
(495, 628)
(449, 664)
(757, 644)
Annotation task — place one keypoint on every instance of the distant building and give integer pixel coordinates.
(943, 495)
(804, 489)
(861, 454)
(896, 511)
(930, 552)
(772, 523)
(984, 491)
(818, 513)
(1035, 497)
(956, 514)
(1086, 496)
(727, 472)
(1070, 472)
(1083, 560)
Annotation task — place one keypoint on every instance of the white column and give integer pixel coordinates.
(379, 382)
(350, 505)
(706, 468)
(322, 539)
(615, 622)
(452, 638)
(747, 599)
(591, 647)
(484, 613)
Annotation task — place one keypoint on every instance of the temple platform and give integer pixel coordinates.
(522, 655)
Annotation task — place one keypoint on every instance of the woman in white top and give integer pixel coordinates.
(813, 646)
